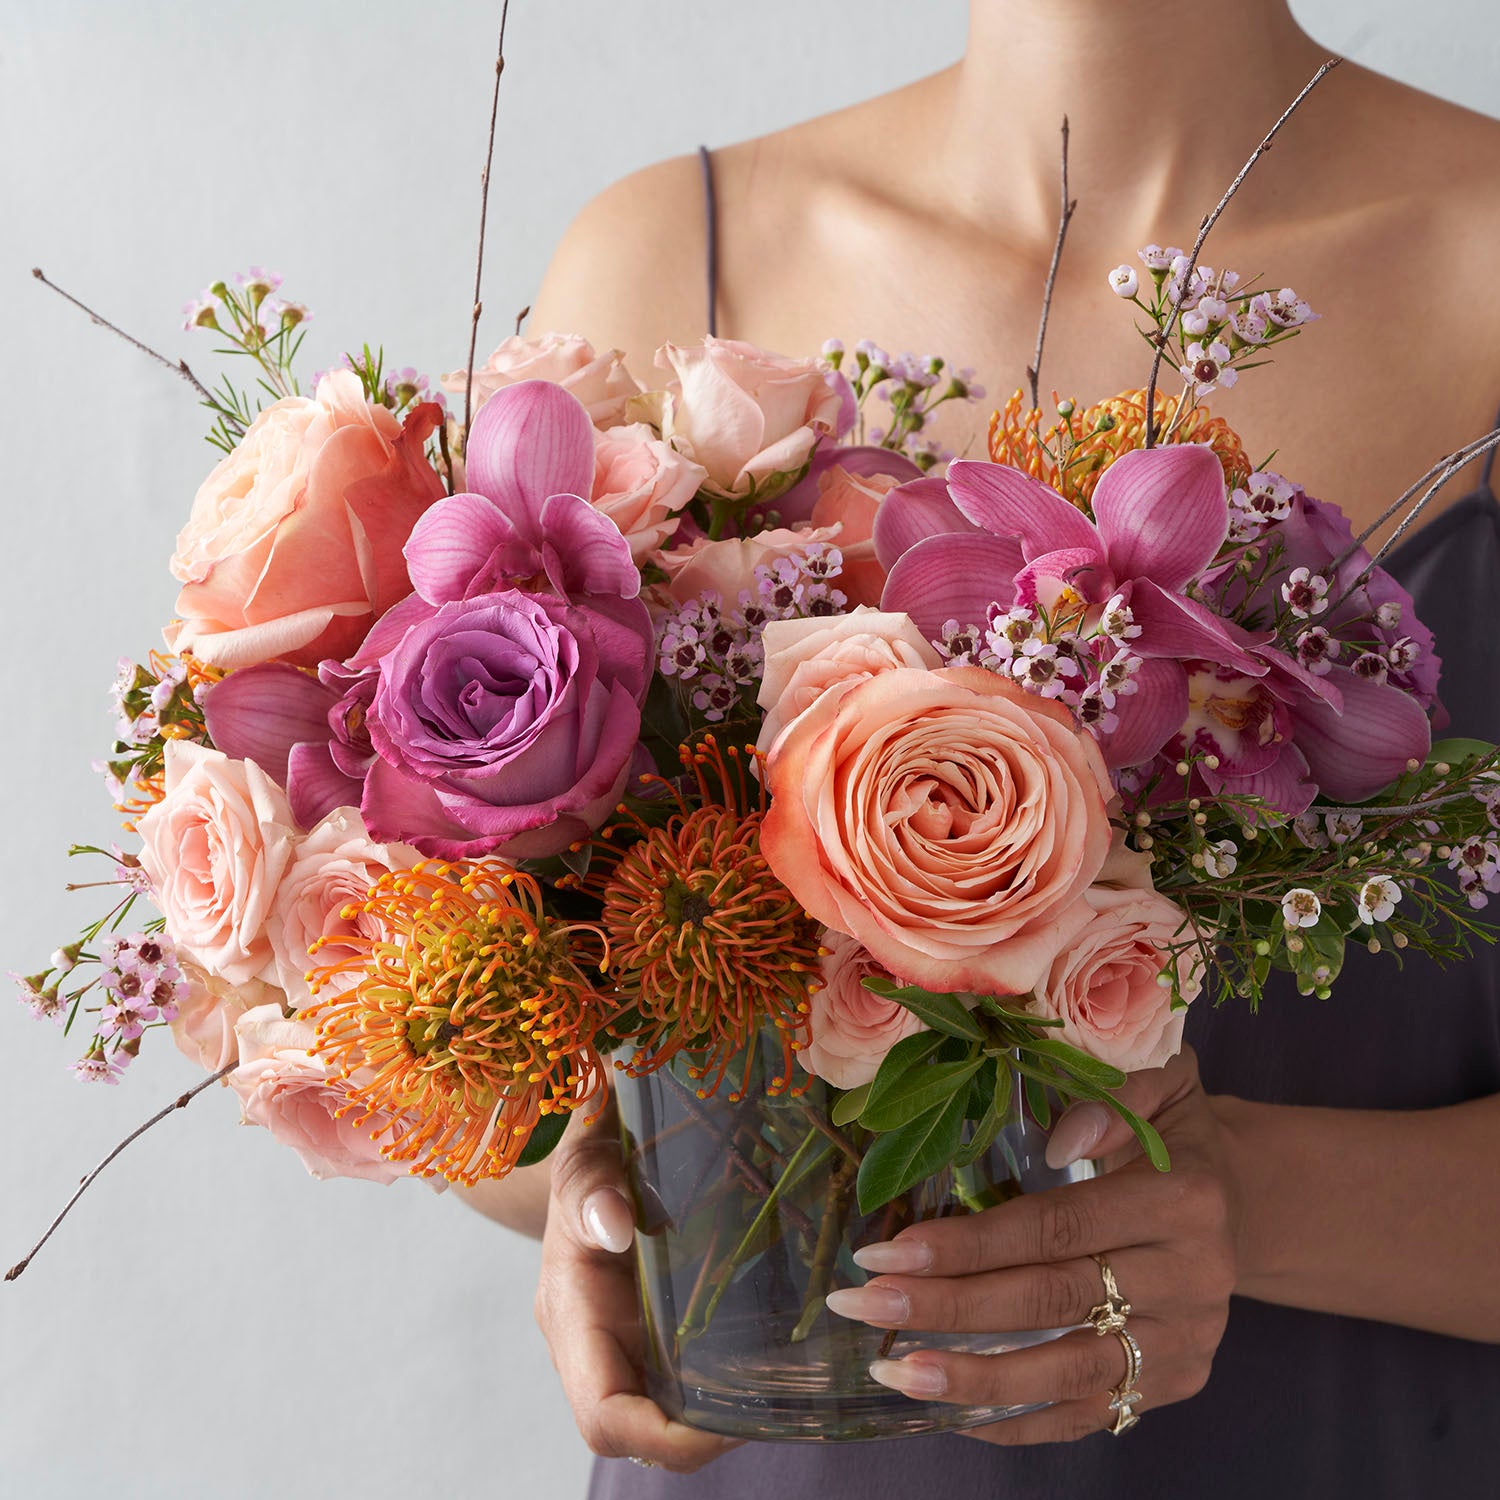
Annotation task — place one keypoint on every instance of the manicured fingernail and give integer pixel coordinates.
(607, 1220)
(870, 1304)
(1076, 1134)
(911, 1377)
(899, 1256)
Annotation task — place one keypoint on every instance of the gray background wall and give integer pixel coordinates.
(212, 1323)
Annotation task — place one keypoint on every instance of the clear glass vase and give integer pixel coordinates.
(748, 1218)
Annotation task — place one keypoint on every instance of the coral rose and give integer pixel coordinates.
(600, 381)
(851, 502)
(809, 657)
(947, 819)
(727, 567)
(215, 848)
(1103, 981)
(330, 870)
(751, 418)
(303, 1102)
(852, 1027)
(294, 543)
(204, 1025)
(641, 484)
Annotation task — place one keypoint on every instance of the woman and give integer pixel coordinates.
(1327, 1238)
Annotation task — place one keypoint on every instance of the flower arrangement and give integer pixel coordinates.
(702, 721)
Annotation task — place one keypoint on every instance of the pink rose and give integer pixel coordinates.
(850, 502)
(204, 1027)
(750, 418)
(641, 484)
(294, 544)
(330, 870)
(852, 1027)
(600, 381)
(947, 819)
(807, 658)
(303, 1102)
(215, 847)
(1103, 981)
(727, 567)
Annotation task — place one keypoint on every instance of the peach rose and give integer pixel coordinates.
(1103, 981)
(293, 547)
(850, 502)
(947, 819)
(334, 866)
(298, 1098)
(641, 484)
(750, 418)
(852, 1027)
(807, 658)
(215, 848)
(727, 567)
(600, 381)
(204, 1026)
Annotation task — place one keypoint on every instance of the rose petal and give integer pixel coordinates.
(795, 507)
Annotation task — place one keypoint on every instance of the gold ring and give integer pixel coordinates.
(1125, 1395)
(1109, 1316)
(643, 1463)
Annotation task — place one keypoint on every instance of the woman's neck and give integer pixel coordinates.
(1165, 98)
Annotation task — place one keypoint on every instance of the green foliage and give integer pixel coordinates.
(543, 1140)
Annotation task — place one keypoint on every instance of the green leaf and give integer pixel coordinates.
(847, 1106)
(1005, 1013)
(1145, 1132)
(1079, 1064)
(992, 1121)
(945, 1013)
(919, 1090)
(1457, 749)
(1036, 1098)
(545, 1135)
(910, 1052)
(901, 1158)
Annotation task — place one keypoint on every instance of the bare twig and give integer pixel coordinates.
(1034, 369)
(521, 318)
(484, 209)
(1203, 229)
(180, 367)
(180, 1102)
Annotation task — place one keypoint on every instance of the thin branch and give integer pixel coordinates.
(521, 317)
(180, 1102)
(1034, 369)
(179, 368)
(484, 209)
(1203, 229)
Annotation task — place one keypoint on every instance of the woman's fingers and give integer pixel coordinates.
(1094, 1129)
(589, 1201)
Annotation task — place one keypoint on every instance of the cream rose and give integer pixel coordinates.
(330, 870)
(293, 547)
(204, 1026)
(1103, 983)
(946, 819)
(641, 484)
(600, 381)
(810, 657)
(749, 417)
(852, 1027)
(215, 848)
(299, 1099)
(727, 567)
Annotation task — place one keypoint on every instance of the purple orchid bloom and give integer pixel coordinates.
(994, 536)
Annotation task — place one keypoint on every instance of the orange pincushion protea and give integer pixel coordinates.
(707, 947)
(1072, 454)
(467, 1021)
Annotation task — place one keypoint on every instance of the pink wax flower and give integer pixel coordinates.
(294, 542)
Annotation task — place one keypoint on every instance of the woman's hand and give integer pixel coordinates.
(589, 1310)
(1026, 1265)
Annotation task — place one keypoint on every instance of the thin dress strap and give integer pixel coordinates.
(711, 218)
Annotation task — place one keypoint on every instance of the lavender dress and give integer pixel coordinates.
(1299, 1403)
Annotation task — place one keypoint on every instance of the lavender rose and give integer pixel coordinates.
(506, 722)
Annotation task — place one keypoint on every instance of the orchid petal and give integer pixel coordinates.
(1358, 752)
(530, 441)
(912, 513)
(1162, 513)
(1148, 717)
(260, 713)
(454, 542)
(1284, 785)
(583, 551)
(315, 785)
(1174, 627)
(952, 578)
(1009, 503)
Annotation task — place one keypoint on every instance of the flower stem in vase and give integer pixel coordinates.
(825, 1254)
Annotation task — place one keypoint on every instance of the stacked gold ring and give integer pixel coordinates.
(1110, 1316)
